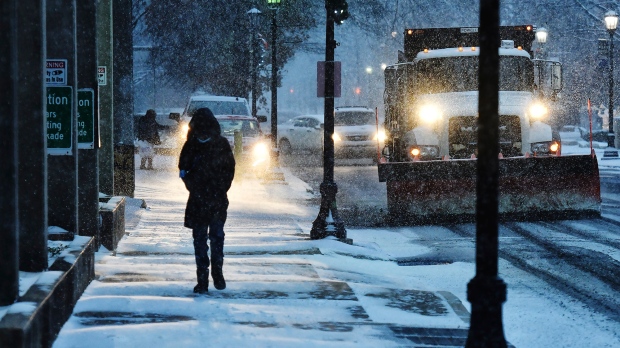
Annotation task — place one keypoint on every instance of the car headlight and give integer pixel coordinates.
(184, 130)
(336, 137)
(260, 154)
(424, 152)
(545, 148)
(380, 136)
(429, 113)
(538, 111)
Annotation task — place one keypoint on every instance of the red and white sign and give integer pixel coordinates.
(56, 72)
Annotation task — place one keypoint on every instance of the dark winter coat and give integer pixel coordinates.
(148, 128)
(210, 168)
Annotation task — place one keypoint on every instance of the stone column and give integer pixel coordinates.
(62, 169)
(88, 173)
(124, 171)
(105, 75)
(32, 168)
(9, 273)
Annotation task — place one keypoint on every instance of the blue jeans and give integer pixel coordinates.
(215, 233)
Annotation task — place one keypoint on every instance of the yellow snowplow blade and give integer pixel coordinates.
(535, 188)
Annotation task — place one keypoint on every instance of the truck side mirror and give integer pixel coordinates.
(261, 118)
(175, 116)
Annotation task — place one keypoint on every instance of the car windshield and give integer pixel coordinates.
(247, 127)
(354, 118)
(219, 107)
(460, 74)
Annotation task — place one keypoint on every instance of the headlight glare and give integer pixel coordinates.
(336, 137)
(260, 154)
(538, 110)
(184, 130)
(380, 136)
(429, 113)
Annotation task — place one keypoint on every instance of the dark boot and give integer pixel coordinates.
(203, 282)
(218, 277)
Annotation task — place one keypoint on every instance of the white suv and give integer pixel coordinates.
(356, 133)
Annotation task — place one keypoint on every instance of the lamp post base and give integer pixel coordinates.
(486, 295)
(328, 222)
(611, 140)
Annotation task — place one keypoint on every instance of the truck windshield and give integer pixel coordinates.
(219, 107)
(354, 118)
(460, 74)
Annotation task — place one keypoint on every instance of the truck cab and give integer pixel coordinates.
(432, 97)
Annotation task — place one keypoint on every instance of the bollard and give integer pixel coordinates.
(238, 151)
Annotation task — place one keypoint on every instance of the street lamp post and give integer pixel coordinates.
(254, 15)
(274, 5)
(611, 23)
(328, 222)
(541, 39)
(487, 291)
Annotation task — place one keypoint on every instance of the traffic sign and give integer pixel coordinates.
(56, 72)
(320, 79)
(59, 117)
(86, 118)
(102, 75)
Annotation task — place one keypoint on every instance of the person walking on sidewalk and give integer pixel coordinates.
(207, 167)
(148, 136)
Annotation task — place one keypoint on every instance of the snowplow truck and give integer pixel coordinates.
(431, 120)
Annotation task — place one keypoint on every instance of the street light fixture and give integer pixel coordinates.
(541, 39)
(611, 23)
(254, 16)
(273, 4)
(541, 36)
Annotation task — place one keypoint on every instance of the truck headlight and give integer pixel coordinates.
(424, 152)
(538, 111)
(545, 148)
(429, 113)
(336, 137)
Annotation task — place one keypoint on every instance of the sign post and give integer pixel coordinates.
(59, 120)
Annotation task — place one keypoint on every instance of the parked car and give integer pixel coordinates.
(355, 134)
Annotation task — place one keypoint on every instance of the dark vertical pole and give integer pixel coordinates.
(254, 68)
(88, 162)
(32, 168)
(321, 227)
(105, 96)
(274, 83)
(9, 270)
(124, 171)
(486, 291)
(610, 135)
(62, 169)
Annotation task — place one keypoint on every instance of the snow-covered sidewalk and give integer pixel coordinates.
(285, 290)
